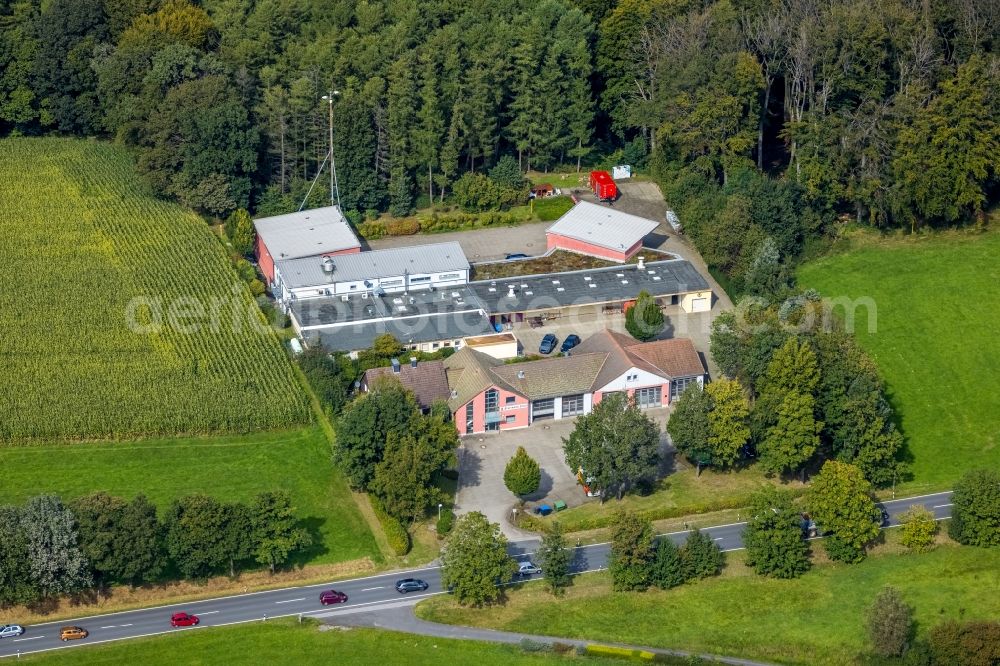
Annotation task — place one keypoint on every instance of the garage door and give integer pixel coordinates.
(699, 305)
(543, 409)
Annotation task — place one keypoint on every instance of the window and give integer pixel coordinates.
(492, 400)
(435, 345)
(648, 397)
(422, 278)
(510, 419)
(469, 418)
(572, 405)
(678, 386)
(452, 276)
(447, 344)
(632, 378)
(391, 283)
(510, 400)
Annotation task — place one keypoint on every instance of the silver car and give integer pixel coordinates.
(11, 630)
(527, 569)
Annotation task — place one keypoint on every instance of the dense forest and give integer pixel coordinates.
(765, 120)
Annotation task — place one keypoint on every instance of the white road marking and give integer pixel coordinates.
(18, 640)
(126, 625)
(208, 612)
(110, 626)
(369, 589)
(940, 506)
(290, 601)
(719, 538)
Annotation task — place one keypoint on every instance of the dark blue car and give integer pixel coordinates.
(548, 344)
(572, 340)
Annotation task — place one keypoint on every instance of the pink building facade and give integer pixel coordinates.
(559, 242)
(493, 410)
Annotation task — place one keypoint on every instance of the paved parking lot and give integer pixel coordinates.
(479, 244)
(482, 459)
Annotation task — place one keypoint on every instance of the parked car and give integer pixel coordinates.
(183, 620)
(572, 340)
(72, 633)
(516, 255)
(332, 597)
(527, 569)
(548, 344)
(11, 630)
(883, 516)
(411, 585)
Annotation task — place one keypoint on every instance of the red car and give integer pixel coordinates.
(183, 620)
(332, 597)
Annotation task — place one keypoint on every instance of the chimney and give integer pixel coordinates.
(413, 361)
(395, 366)
(520, 374)
(642, 263)
(510, 291)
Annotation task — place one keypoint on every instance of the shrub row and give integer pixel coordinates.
(375, 229)
(395, 533)
(529, 521)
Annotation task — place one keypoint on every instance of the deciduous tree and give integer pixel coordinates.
(16, 583)
(55, 560)
(728, 415)
(688, 425)
(122, 540)
(975, 512)
(475, 561)
(918, 528)
(890, 623)
(196, 532)
(631, 555)
(840, 502)
(276, 533)
(773, 535)
(616, 445)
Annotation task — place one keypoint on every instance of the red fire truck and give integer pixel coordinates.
(603, 186)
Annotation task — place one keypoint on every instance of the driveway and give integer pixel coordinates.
(482, 459)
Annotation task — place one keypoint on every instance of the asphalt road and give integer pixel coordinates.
(365, 594)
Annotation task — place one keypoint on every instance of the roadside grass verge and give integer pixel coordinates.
(935, 340)
(815, 619)
(285, 641)
(683, 493)
(230, 468)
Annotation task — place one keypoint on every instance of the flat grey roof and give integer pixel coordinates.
(306, 233)
(411, 330)
(334, 310)
(415, 259)
(602, 226)
(598, 285)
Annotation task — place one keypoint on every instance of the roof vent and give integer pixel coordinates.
(642, 263)
(520, 374)
(454, 393)
(328, 266)
(395, 366)
(510, 291)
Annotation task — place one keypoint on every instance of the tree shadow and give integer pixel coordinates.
(312, 525)
(470, 465)
(544, 488)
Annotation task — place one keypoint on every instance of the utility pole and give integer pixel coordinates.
(333, 163)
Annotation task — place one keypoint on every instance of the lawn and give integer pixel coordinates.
(935, 340)
(551, 208)
(682, 493)
(281, 642)
(815, 619)
(122, 316)
(231, 468)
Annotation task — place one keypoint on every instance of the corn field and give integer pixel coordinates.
(97, 270)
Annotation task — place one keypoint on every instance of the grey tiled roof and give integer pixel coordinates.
(599, 285)
(469, 374)
(552, 377)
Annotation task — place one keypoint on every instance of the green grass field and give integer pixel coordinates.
(232, 468)
(284, 642)
(122, 316)
(815, 619)
(936, 341)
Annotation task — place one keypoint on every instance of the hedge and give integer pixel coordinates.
(620, 653)
(375, 229)
(395, 533)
